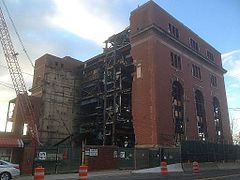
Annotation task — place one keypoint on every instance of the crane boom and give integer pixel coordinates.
(17, 79)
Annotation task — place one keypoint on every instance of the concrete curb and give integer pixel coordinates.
(229, 165)
(75, 175)
(187, 167)
(207, 166)
(171, 168)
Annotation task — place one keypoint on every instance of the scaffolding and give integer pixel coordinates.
(105, 116)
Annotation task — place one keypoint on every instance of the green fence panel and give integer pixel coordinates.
(142, 158)
(171, 155)
(71, 161)
(58, 159)
(154, 157)
(209, 152)
(126, 158)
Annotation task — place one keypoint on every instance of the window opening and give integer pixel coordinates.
(173, 30)
(196, 71)
(176, 61)
(210, 55)
(201, 116)
(213, 80)
(217, 120)
(178, 110)
(194, 45)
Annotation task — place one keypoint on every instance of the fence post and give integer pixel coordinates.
(83, 151)
(135, 157)
(180, 151)
(223, 153)
(56, 159)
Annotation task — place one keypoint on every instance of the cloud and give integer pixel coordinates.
(235, 85)
(235, 121)
(58, 27)
(232, 94)
(231, 61)
(85, 20)
(229, 55)
(3, 110)
(40, 36)
(32, 26)
(6, 94)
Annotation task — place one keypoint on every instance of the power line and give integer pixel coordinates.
(19, 38)
(6, 85)
(234, 109)
(9, 84)
(22, 72)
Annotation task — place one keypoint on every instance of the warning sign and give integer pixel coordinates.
(93, 152)
(42, 155)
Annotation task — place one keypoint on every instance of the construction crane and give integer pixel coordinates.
(18, 80)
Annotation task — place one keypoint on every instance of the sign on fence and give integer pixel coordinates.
(42, 155)
(93, 152)
(122, 154)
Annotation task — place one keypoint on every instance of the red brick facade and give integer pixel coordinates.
(26, 164)
(152, 45)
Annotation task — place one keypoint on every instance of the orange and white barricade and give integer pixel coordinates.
(83, 170)
(39, 173)
(195, 167)
(164, 170)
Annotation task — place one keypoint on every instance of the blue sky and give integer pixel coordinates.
(77, 28)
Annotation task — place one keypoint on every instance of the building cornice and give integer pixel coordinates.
(178, 42)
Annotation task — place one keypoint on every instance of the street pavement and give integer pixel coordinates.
(127, 175)
(71, 176)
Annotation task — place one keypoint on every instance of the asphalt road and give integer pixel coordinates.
(127, 175)
(207, 175)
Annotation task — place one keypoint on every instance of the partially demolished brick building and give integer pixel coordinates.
(155, 84)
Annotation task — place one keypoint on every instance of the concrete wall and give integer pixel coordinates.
(54, 82)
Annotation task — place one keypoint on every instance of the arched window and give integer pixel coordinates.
(178, 110)
(201, 117)
(217, 120)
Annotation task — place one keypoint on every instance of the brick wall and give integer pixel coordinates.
(105, 159)
(151, 45)
(26, 164)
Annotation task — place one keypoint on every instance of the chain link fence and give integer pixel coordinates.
(63, 159)
(58, 159)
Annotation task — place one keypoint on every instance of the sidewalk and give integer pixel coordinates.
(75, 175)
(172, 168)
